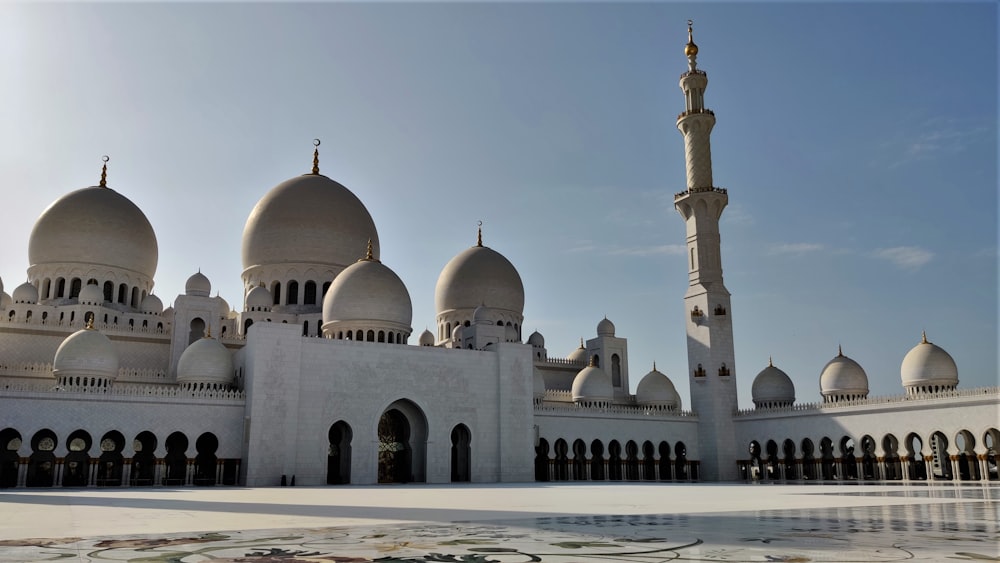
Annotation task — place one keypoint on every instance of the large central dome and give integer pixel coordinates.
(310, 219)
(94, 226)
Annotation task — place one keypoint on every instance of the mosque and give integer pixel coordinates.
(318, 379)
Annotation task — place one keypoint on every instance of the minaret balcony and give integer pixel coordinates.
(690, 191)
(695, 71)
(695, 111)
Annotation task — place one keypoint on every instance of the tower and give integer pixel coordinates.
(711, 360)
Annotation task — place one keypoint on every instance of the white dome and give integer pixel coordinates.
(578, 355)
(207, 361)
(538, 384)
(772, 387)
(5, 300)
(457, 334)
(25, 293)
(479, 276)
(482, 315)
(843, 378)
(368, 291)
(259, 299)
(309, 219)
(91, 294)
(198, 285)
(98, 226)
(928, 365)
(426, 338)
(606, 328)
(592, 384)
(86, 353)
(151, 305)
(223, 306)
(536, 339)
(656, 389)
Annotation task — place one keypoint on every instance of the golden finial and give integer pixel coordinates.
(770, 363)
(104, 171)
(316, 143)
(923, 334)
(591, 363)
(581, 343)
(690, 49)
(479, 237)
(90, 321)
(654, 365)
(840, 351)
(208, 331)
(369, 255)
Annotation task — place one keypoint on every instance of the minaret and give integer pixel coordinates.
(711, 361)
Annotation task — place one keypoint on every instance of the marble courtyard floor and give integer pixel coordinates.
(538, 522)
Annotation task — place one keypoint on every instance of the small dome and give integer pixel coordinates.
(606, 328)
(426, 338)
(26, 293)
(536, 340)
(5, 300)
(592, 384)
(772, 387)
(91, 294)
(538, 383)
(88, 354)
(457, 335)
(198, 285)
(151, 305)
(655, 389)
(482, 315)
(368, 291)
(510, 334)
(309, 219)
(928, 365)
(843, 378)
(479, 275)
(95, 225)
(223, 306)
(206, 361)
(578, 355)
(259, 299)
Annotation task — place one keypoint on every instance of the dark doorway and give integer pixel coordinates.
(338, 457)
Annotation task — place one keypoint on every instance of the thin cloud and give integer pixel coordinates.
(937, 136)
(796, 248)
(906, 257)
(616, 250)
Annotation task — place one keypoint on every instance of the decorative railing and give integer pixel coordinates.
(574, 408)
(695, 111)
(886, 400)
(136, 375)
(166, 391)
(562, 362)
(77, 324)
(26, 369)
(700, 190)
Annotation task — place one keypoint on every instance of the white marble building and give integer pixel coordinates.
(315, 379)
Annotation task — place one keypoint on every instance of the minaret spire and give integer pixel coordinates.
(104, 171)
(316, 143)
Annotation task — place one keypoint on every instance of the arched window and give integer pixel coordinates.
(122, 291)
(293, 293)
(616, 370)
(74, 288)
(109, 291)
(371, 336)
(60, 287)
(305, 328)
(326, 286)
(309, 296)
(46, 287)
(276, 292)
(381, 336)
(197, 330)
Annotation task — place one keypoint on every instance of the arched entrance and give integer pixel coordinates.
(402, 444)
(176, 460)
(542, 460)
(206, 463)
(144, 459)
(111, 462)
(338, 460)
(10, 461)
(461, 455)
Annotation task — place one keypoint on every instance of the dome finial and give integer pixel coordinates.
(104, 171)
(770, 362)
(923, 337)
(90, 321)
(479, 237)
(581, 343)
(369, 253)
(654, 365)
(840, 351)
(690, 50)
(316, 143)
(208, 331)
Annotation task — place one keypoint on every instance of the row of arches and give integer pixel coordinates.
(86, 464)
(913, 459)
(370, 335)
(110, 320)
(648, 462)
(401, 448)
(63, 288)
(296, 293)
(445, 328)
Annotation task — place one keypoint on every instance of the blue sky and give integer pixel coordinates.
(858, 143)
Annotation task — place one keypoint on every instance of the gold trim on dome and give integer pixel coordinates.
(104, 171)
(316, 143)
(923, 337)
